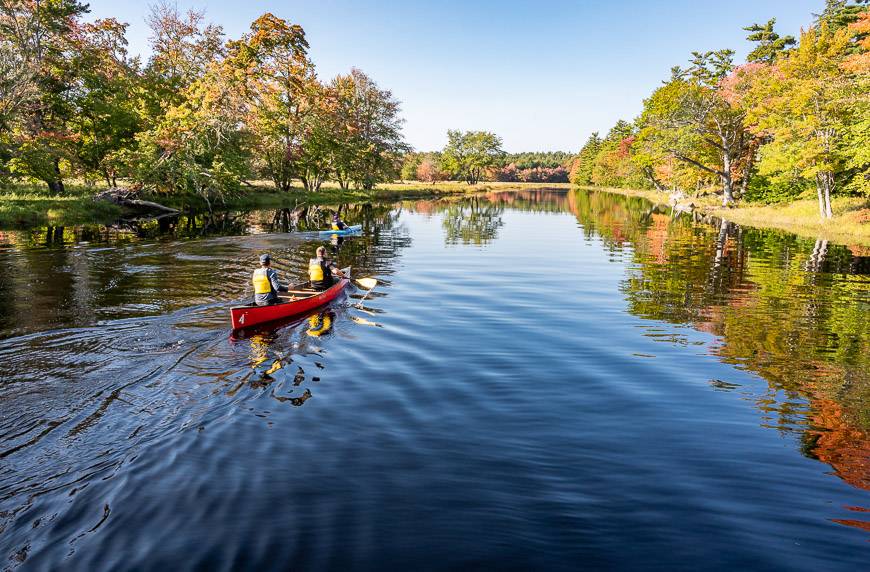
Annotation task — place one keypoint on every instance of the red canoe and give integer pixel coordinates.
(299, 300)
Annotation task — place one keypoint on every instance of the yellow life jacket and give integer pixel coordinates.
(315, 270)
(262, 284)
(335, 226)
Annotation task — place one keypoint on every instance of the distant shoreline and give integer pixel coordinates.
(850, 225)
(23, 207)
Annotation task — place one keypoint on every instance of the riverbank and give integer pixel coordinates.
(29, 206)
(850, 225)
(262, 194)
(25, 207)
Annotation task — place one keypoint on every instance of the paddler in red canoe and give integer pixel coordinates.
(266, 284)
(322, 271)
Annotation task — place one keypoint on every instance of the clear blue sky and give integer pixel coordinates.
(543, 75)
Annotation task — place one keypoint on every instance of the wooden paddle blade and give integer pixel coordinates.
(367, 283)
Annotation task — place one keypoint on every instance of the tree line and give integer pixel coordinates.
(794, 118)
(202, 115)
(474, 156)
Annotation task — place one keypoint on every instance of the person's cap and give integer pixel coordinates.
(264, 258)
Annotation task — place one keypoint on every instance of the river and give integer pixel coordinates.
(541, 381)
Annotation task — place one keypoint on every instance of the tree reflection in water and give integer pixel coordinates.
(791, 310)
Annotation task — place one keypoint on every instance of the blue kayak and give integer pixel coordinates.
(349, 230)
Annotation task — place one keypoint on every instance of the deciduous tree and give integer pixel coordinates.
(690, 120)
(40, 35)
(370, 141)
(468, 154)
(799, 106)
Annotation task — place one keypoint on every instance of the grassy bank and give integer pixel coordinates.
(850, 225)
(25, 207)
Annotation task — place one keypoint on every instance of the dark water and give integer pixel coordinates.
(542, 381)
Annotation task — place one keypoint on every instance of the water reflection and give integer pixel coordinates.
(794, 311)
(495, 408)
(471, 221)
(789, 309)
(56, 277)
(465, 220)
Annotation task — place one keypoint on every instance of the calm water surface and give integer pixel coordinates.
(545, 381)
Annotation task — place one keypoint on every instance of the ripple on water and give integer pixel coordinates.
(531, 402)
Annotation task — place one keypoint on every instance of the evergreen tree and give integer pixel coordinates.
(770, 44)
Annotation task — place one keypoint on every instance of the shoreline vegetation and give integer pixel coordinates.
(28, 207)
(850, 223)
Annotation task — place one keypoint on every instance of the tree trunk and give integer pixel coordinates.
(727, 182)
(829, 212)
(55, 187)
(824, 183)
(650, 174)
(747, 173)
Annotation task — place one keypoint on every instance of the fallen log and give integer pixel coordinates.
(129, 197)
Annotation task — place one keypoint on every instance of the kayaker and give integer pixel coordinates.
(266, 284)
(337, 223)
(322, 270)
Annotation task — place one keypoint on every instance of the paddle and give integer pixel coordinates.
(367, 283)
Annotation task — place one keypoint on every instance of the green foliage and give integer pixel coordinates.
(839, 14)
(198, 146)
(538, 159)
(410, 162)
(767, 189)
(106, 119)
(798, 104)
(770, 44)
(43, 39)
(581, 168)
(691, 122)
(612, 165)
(469, 154)
(370, 145)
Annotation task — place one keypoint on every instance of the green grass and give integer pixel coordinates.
(26, 206)
(850, 225)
